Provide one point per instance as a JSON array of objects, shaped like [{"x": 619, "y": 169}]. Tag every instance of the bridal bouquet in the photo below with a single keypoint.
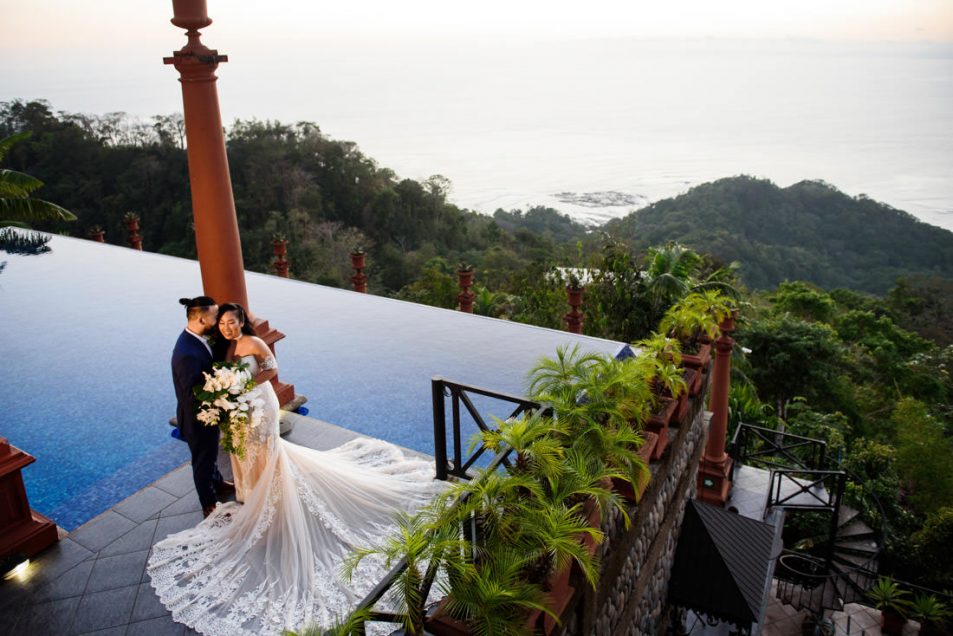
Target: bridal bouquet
[{"x": 225, "y": 401}]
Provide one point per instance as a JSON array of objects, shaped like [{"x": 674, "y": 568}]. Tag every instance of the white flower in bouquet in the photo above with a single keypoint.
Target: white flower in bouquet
[{"x": 225, "y": 401}]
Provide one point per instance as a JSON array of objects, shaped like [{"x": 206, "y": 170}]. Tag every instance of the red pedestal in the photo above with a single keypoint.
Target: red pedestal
[
  {"x": 359, "y": 279},
  {"x": 574, "y": 318},
  {"x": 280, "y": 265},
  {"x": 21, "y": 529},
  {"x": 715, "y": 466},
  {"x": 465, "y": 297}
]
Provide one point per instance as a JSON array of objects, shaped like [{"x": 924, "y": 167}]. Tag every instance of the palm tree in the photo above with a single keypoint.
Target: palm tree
[{"x": 16, "y": 206}]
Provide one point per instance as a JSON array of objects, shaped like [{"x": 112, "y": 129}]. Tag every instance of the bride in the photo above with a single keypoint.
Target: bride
[{"x": 272, "y": 562}]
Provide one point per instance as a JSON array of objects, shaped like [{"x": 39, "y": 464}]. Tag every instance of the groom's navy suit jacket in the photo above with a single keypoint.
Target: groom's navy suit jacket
[{"x": 189, "y": 359}]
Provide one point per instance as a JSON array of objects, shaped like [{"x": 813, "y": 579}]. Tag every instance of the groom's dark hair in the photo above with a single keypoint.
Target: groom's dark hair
[{"x": 197, "y": 306}]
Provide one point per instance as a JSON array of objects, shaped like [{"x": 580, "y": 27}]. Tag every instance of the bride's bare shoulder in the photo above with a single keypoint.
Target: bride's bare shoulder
[{"x": 260, "y": 348}]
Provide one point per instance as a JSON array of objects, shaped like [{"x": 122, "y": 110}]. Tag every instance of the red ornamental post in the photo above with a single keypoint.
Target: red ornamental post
[
  {"x": 22, "y": 531},
  {"x": 359, "y": 279},
  {"x": 714, "y": 485},
  {"x": 217, "y": 239},
  {"x": 97, "y": 234},
  {"x": 465, "y": 297},
  {"x": 281, "y": 262},
  {"x": 132, "y": 228},
  {"x": 213, "y": 205},
  {"x": 574, "y": 319}
]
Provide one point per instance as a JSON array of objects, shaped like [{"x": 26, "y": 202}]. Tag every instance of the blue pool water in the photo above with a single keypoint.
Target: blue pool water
[{"x": 88, "y": 331}]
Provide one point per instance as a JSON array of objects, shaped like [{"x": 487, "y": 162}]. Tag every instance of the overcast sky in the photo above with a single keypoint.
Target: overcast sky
[{"x": 45, "y": 27}]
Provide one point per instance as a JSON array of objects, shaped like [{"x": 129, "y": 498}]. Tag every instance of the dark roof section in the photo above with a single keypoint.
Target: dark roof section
[{"x": 721, "y": 564}]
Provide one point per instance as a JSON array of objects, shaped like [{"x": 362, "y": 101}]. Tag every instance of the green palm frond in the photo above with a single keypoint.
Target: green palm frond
[
  {"x": 32, "y": 210},
  {"x": 494, "y": 598},
  {"x": 17, "y": 184},
  {"x": 551, "y": 533},
  {"x": 15, "y": 188},
  {"x": 556, "y": 375},
  {"x": 7, "y": 142}
]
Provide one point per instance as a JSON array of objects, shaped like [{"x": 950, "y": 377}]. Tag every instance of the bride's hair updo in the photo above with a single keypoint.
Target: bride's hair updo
[
  {"x": 197, "y": 306},
  {"x": 247, "y": 329}
]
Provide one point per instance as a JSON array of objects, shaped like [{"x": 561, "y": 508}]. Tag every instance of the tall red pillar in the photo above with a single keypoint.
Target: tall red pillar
[
  {"x": 715, "y": 467},
  {"x": 213, "y": 205}
]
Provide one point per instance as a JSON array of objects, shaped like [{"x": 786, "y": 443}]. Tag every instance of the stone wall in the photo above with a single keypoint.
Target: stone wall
[{"x": 637, "y": 562}]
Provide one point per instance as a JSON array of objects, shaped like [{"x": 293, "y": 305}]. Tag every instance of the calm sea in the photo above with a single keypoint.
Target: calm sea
[{"x": 513, "y": 123}]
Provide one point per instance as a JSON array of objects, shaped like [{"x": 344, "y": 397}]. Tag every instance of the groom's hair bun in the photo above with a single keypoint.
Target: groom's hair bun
[{"x": 197, "y": 303}]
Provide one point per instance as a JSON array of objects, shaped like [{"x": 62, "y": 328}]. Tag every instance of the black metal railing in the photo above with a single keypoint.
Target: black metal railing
[
  {"x": 755, "y": 445},
  {"x": 797, "y": 489},
  {"x": 460, "y": 394},
  {"x": 376, "y": 594}
]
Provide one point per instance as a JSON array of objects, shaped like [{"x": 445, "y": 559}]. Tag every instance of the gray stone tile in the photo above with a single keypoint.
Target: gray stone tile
[
  {"x": 70, "y": 583},
  {"x": 177, "y": 523},
  {"x": 111, "y": 608},
  {"x": 139, "y": 538},
  {"x": 117, "y": 571},
  {"x": 163, "y": 626},
  {"x": 101, "y": 531},
  {"x": 57, "y": 559},
  {"x": 147, "y": 604},
  {"x": 179, "y": 482},
  {"x": 187, "y": 503},
  {"x": 16, "y": 614},
  {"x": 109, "y": 631},
  {"x": 145, "y": 504},
  {"x": 54, "y": 617}
]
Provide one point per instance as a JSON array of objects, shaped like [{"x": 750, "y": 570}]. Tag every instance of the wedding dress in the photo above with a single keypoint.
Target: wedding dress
[{"x": 273, "y": 563}]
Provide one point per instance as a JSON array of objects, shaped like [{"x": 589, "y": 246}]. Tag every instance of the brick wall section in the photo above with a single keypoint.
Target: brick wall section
[{"x": 637, "y": 562}]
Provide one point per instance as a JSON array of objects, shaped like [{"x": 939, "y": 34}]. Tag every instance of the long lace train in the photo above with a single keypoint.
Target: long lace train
[{"x": 274, "y": 562}]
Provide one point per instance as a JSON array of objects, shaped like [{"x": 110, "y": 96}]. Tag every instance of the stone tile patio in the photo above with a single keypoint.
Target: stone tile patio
[{"x": 94, "y": 581}]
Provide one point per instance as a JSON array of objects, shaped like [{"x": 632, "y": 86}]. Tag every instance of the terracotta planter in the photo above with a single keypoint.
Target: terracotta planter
[
  {"x": 558, "y": 595},
  {"x": 892, "y": 622},
  {"x": 624, "y": 488},
  {"x": 440, "y": 624},
  {"x": 698, "y": 360},
  {"x": 594, "y": 516},
  {"x": 682, "y": 411},
  {"x": 465, "y": 277},
  {"x": 658, "y": 423},
  {"x": 693, "y": 381},
  {"x": 357, "y": 260}
]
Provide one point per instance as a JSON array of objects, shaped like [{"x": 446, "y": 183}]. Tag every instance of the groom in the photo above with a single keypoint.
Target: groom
[{"x": 192, "y": 356}]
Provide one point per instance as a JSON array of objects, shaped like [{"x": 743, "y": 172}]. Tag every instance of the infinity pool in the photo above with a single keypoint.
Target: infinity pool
[{"x": 88, "y": 335}]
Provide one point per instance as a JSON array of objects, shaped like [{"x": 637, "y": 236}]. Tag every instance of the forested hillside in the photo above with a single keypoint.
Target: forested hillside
[{"x": 808, "y": 231}]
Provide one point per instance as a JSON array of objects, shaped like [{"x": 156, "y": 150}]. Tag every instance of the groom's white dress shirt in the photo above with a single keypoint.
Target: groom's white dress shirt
[{"x": 202, "y": 339}]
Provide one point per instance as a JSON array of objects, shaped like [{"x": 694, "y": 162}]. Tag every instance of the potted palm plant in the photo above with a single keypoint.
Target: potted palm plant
[
  {"x": 696, "y": 315},
  {"x": 892, "y": 601},
  {"x": 930, "y": 612}
]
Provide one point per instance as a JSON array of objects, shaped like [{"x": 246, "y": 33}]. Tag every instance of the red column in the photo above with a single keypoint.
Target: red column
[
  {"x": 574, "y": 319},
  {"x": 713, "y": 483},
  {"x": 213, "y": 205},
  {"x": 465, "y": 297},
  {"x": 97, "y": 234},
  {"x": 359, "y": 280}
]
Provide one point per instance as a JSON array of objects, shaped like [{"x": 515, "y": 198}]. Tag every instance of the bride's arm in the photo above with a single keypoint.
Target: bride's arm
[{"x": 267, "y": 366}]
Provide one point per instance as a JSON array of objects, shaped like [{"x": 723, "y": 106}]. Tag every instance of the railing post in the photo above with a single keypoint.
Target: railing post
[
  {"x": 439, "y": 429},
  {"x": 835, "y": 517},
  {"x": 457, "y": 448}
]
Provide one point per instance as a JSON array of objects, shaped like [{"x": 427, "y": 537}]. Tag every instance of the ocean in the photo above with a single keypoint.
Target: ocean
[{"x": 593, "y": 127}]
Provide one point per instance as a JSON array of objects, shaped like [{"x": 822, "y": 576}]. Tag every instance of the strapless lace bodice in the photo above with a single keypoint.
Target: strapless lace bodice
[{"x": 254, "y": 367}]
